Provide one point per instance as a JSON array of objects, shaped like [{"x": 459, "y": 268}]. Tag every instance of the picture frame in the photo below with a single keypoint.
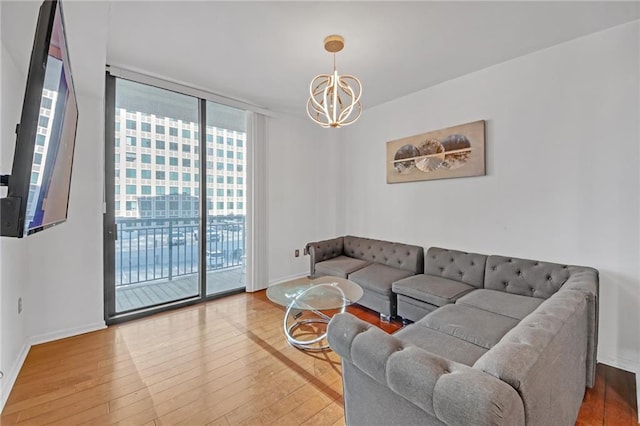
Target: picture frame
[{"x": 457, "y": 151}]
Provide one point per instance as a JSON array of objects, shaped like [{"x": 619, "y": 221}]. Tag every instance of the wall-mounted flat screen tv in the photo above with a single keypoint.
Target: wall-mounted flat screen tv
[{"x": 39, "y": 183}]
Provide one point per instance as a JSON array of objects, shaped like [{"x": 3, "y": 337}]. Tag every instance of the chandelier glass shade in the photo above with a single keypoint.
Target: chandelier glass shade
[{"x": 334, "y": 99}]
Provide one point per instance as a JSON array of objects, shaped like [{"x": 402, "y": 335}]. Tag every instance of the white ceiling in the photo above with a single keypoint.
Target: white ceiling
[
  {"x": 267, "y": 52},
  {"x": 86, "y": 29}
]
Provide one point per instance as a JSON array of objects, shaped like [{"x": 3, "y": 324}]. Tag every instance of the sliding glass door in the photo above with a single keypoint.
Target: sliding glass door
[
  {"x": 175, "y": 199},
  {"x": 225, "y": 197}
]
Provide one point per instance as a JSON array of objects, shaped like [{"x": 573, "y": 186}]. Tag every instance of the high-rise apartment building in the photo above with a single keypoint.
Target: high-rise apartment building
[
  {"x": 45, "y": 121},
  {"x": 157, "y": 168}
]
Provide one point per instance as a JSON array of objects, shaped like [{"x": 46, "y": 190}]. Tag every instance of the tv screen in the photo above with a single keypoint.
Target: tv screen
[{"x": 41, "y": 176}]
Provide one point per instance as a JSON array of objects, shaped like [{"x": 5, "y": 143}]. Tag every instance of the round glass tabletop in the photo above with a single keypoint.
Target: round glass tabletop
[{"x": 325, "y": 296}]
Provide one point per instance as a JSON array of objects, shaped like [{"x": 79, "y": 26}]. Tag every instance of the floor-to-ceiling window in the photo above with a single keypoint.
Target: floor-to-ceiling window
[
  {"x": 226, "y": 180},
  {"x": 176, "y": 185}
]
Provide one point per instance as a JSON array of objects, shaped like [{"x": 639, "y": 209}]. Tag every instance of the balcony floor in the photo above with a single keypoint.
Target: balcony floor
[{"x": 135, "y": 296}]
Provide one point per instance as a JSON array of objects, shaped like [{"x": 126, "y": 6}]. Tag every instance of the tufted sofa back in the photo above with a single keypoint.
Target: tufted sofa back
[
  {"x": 327, "y": 249},
  {"x": 401, "y": 256},
  {"x": 525, "y": 277},
  {"x": 456, "y": 265}
]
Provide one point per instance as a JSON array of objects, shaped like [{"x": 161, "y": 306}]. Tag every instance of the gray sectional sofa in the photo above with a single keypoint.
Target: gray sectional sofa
[
  {"x": 496, "y": 341},
  {"x": 374, "y": 264}
]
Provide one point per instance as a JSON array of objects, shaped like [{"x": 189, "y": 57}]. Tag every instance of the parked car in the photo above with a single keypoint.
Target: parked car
[
  {"x": 215, "y": 259},
  {"x": 212, "y": 235},
  {"x": 177, "y": 238}
]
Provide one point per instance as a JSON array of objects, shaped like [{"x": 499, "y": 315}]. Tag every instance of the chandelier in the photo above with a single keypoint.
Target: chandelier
[{"x": 335, "y": 99}]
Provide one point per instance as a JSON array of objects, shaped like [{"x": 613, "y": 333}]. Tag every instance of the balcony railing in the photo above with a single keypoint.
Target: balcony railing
[{"x": 155, "y": 249}]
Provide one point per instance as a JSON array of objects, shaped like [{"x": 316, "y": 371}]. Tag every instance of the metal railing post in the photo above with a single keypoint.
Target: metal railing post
[{"x": 170, "y": 250}]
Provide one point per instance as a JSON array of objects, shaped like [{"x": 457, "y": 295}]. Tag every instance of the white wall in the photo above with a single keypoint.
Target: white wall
[
  {"x": 303, "y": 173},
  {"x": 562, "y": 178},
  {"x": 66, "y": 289},
  {"x": 67, "y": 286},
  {"x": 14, "y": 260}
]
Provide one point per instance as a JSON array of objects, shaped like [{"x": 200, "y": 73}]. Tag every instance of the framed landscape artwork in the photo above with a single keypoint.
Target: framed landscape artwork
[{"x": 456, "y": 151}]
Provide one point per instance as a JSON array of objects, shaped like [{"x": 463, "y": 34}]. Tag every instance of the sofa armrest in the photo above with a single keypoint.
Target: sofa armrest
[
  {"x": 454, "y": 393},
  {"x": 586, "y": 281},
  {"x": 320, "y": 251}
]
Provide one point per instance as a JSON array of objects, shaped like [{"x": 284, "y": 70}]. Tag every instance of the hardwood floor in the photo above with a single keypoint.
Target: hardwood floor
[
  {"x": 612, "y": 401},
  {"x": 221, "y": 363}
]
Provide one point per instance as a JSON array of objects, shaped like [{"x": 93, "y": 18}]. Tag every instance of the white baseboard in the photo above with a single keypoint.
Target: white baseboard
[
  {"x": 287, "y": 278},
  {"x": 10, "y": 378},
  {"x": 68, "y": 332},
  {"x": 621, "y": 363}
]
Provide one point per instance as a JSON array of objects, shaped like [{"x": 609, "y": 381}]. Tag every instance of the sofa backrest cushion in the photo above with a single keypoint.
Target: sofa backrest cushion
[
  {"x": 402, "y": 256},
  {"x": 525, "y": 277},
  {"x": 456, "y": 265}
]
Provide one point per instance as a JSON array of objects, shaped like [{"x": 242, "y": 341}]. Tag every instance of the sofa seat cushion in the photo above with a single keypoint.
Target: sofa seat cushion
[
  {"x": 510, "y": 305},
  {"x": 431, "y": 289},
  {"x": 378, "y": 278},
  {"x": 474, "y": 325},
  {"x": 340, "y": 266},
  {"x": 445, "y": 345}
]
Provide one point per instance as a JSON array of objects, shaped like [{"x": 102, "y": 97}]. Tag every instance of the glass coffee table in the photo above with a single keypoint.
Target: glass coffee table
[{"x": 314, "y": 296}]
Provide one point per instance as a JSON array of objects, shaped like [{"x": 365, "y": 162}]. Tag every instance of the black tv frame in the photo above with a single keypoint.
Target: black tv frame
[{"x": 13, "y": 207}]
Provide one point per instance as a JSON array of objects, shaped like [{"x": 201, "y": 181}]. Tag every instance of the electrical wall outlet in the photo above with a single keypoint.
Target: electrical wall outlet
[
  {"x": 19, "y": 305},
  {"x": 306, "y": 251},
  {"x": 297, "y": 253}
]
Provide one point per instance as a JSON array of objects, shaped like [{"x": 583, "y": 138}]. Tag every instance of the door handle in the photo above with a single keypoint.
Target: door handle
[{"x": 113, "y": 231}]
